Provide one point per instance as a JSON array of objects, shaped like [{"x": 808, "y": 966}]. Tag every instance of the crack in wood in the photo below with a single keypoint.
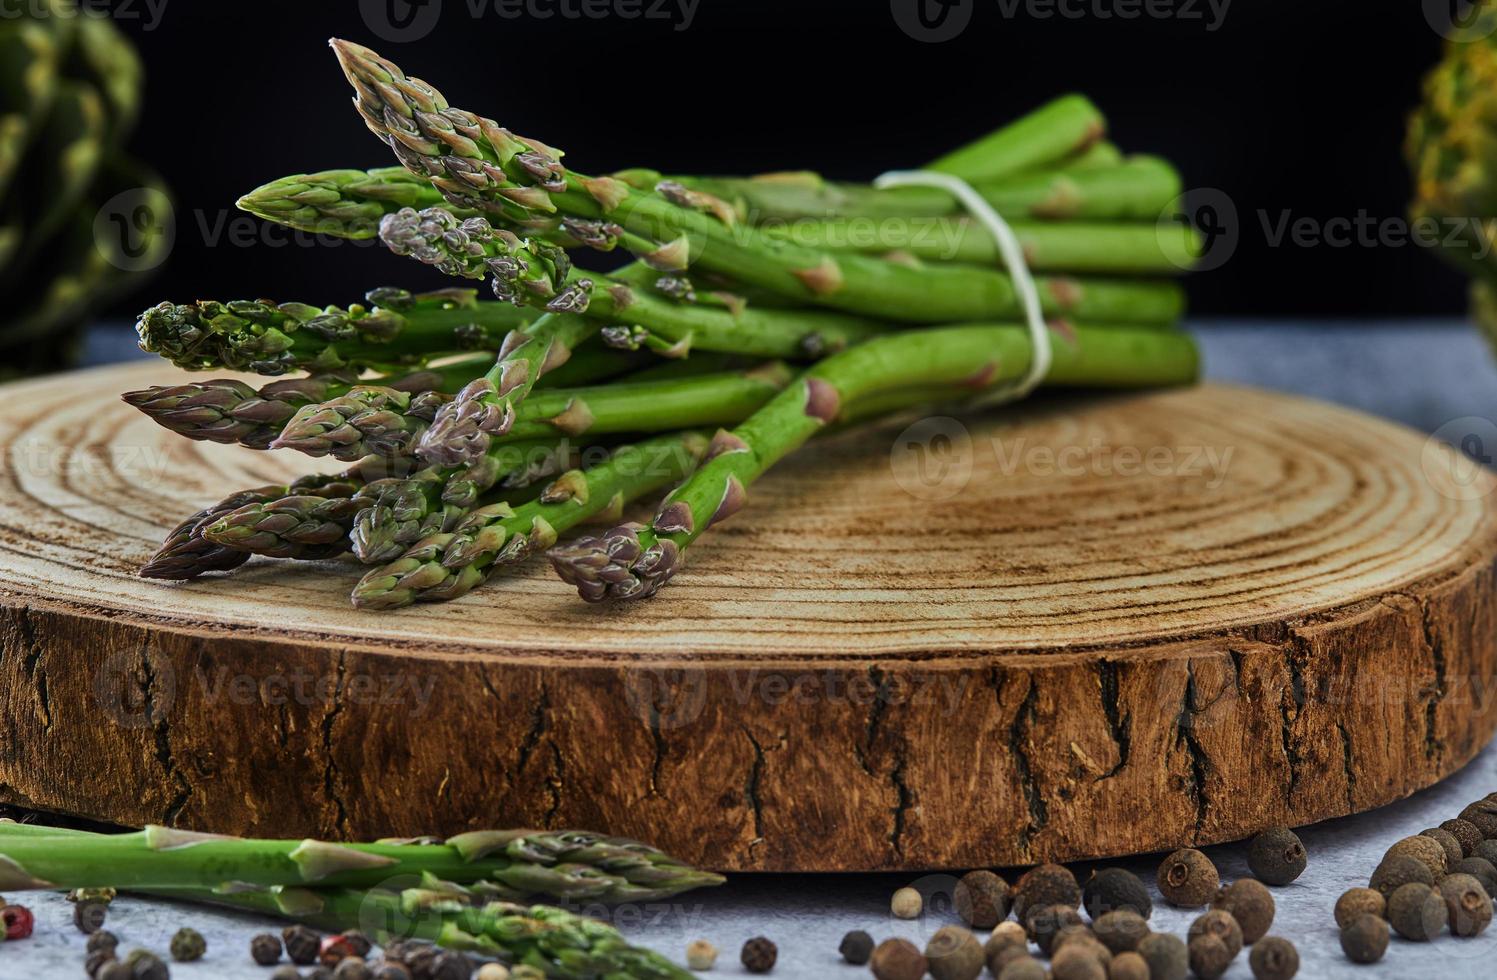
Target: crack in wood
[
  {"x": 1347, "y": 768},
  {"x": 330, "y": 765},
  {"x": 1185, "y": 736},
  {"x": 1018, "y": 734},
  {"x": 1290, "y": 709},
  {"x": 554, "y": 784},
  {"x": 31, "y": 666},
  {"x": 533, "y": 735},
  {"x": 657, "y": 738},
  {"x": 751, "y": 790},
  {"x": 1434, "y": 746},
  {"x": 161, "y": 732},
  {"x": 1119, "y": 726}
]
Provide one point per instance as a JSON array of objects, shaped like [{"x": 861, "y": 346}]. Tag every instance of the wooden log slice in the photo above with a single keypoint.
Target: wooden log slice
[{"x": 1082, "y": 627}]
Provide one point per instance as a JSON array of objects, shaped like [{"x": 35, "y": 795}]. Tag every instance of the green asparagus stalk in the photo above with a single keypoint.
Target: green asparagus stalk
[
  {"x": 566, "y": 864},
  {"x": 634, "y": 561},
  {"x": 398, "y": 328},
  {"x": 446, "y": 566},
  {"x": 28, "y": 81},
  {"x": 302, "y": 526},
  {"x": 341, "y": 203},
  {"x": 111, "y": 63},
  {"x": 62, "y": 163},
  {"x": 1062, "y": 128},
  {"x": 477, "y": 164}
]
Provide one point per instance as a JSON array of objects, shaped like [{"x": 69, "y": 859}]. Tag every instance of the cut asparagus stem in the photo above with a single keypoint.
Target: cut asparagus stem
[
  {"x": 446, "y": 566},
  {"x": 399, "y": 328},
  {"x": 634, "y": 561},
  {"x": 1061, "y": 128},
  {"x": 476, "y": 163},
  {"x": 1094, "y": 247}
]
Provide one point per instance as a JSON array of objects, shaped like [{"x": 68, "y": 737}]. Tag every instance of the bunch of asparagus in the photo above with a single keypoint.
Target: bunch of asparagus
[
  {"x": 463, "y": 893},
  {"x": 70, "y": 86},
  {"x": 756, "y": 314}
]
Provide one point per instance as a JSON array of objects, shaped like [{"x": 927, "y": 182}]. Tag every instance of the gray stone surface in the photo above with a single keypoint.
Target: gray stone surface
[{"x": 1423, "y": 374}]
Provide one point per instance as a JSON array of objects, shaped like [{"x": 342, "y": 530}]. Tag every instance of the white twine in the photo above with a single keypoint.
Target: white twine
[{"x": 1013, "y": 257}]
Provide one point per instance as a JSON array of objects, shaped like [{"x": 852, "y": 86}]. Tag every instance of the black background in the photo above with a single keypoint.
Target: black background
[{"x": 1289, "y": 106}]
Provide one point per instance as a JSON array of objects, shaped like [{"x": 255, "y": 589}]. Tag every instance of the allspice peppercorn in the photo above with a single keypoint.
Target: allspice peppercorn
[
  {"x": 390, "y": 970},
  {"x": 856, "y": 947},
  {"x": 1219, "y": 924},
  {"x": 1209, "y": 956},
  {"x": 265, "y": 949},
  {"x": 1486, "y": 850},
  {"x": 1112, "y": 889},
  {"x": 1274, "y": 958},
  {"x": 1250, "y": 903},
  {"x": 115, "y": 970},
  {"x": 1417, "y": 912},
  {"x": 145, "y": 965},
  {"x": 759, "y": 955},
  {"x": 1045, "y": 922},
  {"x": 897, "y": 959},
  {"x": 906, "y": 904},
  {"x": 285, "y": 973},
  {"x": 1047, "y": 884},
  {"x": 1422, "y": 849},
  {"x": 1365, "y": 939},
  {"x": 1468, "y": 905},
  {"x": 1004, "y": 955},
  {"x": 981, "y": 899},
  {"x": 302, "y": 944},
  {"x": 450, "y": 964},
  {"x": 188, "y": 946},
  {"x": 953, "y": 953},
  {"x": 492, "y": 971},
  {"x": 1008, "y": 942},
  {"x": 1024, "y": 968},
  {"x": 1483, "y": 816},
  {"x": 96, "y": 961},
  {"x": 103, "y": 939},
  {"x": 1128, "y": 966},
  {"x": 1479, "y": 868},
  {"x": 1453, "y": 849},
  {"x": 1166, "y": 955},
  {"x": 1399, "y": 870},
  {"x": 89, "y": 915},
  {"x": 1188, "y": 879},
  {"x": 1464, "y": 831},
  {"x": 351, "y": 968},
  {"x": 1075, "y": 962},
  {"x": 1121, "y": 930},
  {"x": 1276, "y": 857},
  {"x": 1358, "y": 902}
]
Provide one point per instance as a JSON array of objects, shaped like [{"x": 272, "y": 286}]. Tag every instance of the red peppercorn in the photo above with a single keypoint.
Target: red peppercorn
[
  {"x": 18, "y": 921},
  {"x": 335, "y": 949}
]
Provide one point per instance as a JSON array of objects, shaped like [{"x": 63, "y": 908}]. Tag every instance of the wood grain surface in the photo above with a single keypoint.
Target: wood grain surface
[{"x": 1083, "y": 627}]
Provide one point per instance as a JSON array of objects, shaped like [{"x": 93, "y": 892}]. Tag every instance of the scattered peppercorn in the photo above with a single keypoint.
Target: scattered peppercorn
[
  {"x": 1479, "y": 868},
  {"x": 449, "y": 964},
  {"x": 1276, "y": 857},
  {"x": 358, "y": 942},
  {"x": 1453, "y": 849},
  {"x": 1209, "y": 956},
  {"x": 1486, "y": 850},
  {"x": 953, "y": 953},
  {"x": 1023, "y": 968},
  {"x": 18, "y": 922},
  {"x": 1466, "y": 832},
  {"x": 981, "y": 899},
  {"x": 265, "y": 949},
  {"x": 1128, "y": 966},
  {"x": 1250, "y": 903},
  {"x": 1166, "y": 955},
  {"x": 145, "y": 965},
  {"x": 89, "y": 916},
  {"x": 1045, "y": 922},
  {"x": 1365, "y": 939},
  {"x": 527, "y": 972},
  {"x": 1421, "y": 849},
  {"x": 391, "y": 970},
  {"x": 333, "y": 950},
  {"x": 1003, "y": 956},
  {"x": 906, "y": 904},
  {"x": 1468, "y": 905},
  {"x": 103, "y": 939},
  {"x": 1483, "y": 816},
  {"x": 758, "y": 955},
  {"x": 351, "y": 968},
  {"x": 492, "y": 971},
  {"x": 702, "y": 955},
  {"x": 1416, "y": 911},
  {"x": 1075, "y": 962},
  {"x": 188, "y": 946},
  {"x": 1121, "y": 930},
  {"x": 115, "y": 970},
  {"x": 1358, "y": 902},
  {"x": 96, "y": 960},
  {"x": 1112, "y": 889},
  {"x": 1274, "y": 958},
  {"x": 1398, "y": 870},
  {"x": 1047, "y": 884},
  {"x": 1220, "y": 924},
  {"x": 856, "y": 947},
  {"x": 1188, "y": 879},
  {"x": 286, "y": 973},
  {"x": 1007, "y": 943},
  {"x": 420, "y": 959},
  {"x": 897, "y": 959},
  {"x": 302, "y": 944}
]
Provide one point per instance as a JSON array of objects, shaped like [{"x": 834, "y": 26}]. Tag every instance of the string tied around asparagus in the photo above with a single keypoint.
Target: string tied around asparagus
[{"x": 1013, "y": 257}]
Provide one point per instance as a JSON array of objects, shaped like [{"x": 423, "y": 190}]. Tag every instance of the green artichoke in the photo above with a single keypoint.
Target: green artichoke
[{"x": 80, "y": 223}]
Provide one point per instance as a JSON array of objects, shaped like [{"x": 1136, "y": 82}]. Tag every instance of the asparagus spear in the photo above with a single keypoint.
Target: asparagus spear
[
  {"x": 634, "y": 561},
  {"x": 28, "y": 80},
  {"x": 341, "y": 203},
  {"x": 446, "y": 566},
  {"x": 476, "y": 163},
  {"x": 1059, "y": 129},
  {"x": 397, "y": 328},
  {"x": 308, "y": 527}
]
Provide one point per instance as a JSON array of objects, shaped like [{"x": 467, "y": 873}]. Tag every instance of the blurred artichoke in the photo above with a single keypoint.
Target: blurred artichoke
[{"x": 80, "y": 223}]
